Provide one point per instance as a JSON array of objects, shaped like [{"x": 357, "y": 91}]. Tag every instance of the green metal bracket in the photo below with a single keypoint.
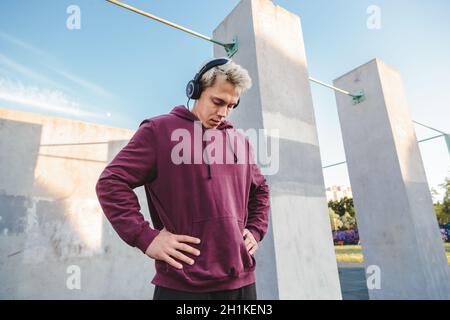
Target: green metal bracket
[
  {"x": 232, "y": 48},
  {"x": 358, "y": 96}
]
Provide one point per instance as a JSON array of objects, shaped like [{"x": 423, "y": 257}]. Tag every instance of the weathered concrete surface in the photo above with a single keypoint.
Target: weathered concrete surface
[
  {"x": 50, "y": 218},
  {"x": 296, "y": 259},
  {"x": 397, "y": 224}
]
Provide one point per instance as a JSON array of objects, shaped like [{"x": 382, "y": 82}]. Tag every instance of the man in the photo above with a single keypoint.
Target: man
[{"x": 208, "y": 216}]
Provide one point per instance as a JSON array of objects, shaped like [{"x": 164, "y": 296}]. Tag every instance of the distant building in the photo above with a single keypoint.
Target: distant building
[{"x": 336, "y": 193}]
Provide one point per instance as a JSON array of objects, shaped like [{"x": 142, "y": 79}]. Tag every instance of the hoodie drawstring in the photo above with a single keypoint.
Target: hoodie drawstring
[
  {"x": 229, "y": 144},
  {"x": 206, "y": 153}
]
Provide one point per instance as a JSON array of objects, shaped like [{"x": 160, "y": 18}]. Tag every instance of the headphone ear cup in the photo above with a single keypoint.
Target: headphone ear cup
[
  {"x": 193, "y": 90},
  {"x": 190, "y": 88}
]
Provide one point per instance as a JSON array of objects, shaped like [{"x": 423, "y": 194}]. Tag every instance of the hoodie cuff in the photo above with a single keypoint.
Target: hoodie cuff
[
  {"x": 145, "y": 238},
  {"x": 255, "y": 233}
]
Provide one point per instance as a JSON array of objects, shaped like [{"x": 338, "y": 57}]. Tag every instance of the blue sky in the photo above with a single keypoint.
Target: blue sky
[{"x": 121, "y": 68}]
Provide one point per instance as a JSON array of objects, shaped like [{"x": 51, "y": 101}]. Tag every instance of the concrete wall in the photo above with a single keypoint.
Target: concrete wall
[
  {"x": 396, "y": 220},
  {"x": 296, "y": 259},
  {"x": 50, "y": 218}
]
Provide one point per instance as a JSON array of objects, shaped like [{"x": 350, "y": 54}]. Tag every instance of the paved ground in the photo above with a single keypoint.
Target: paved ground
[{"x": 353, "y": 281}]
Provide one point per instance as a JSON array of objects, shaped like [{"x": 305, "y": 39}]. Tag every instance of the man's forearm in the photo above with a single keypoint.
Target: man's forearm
[
  {"x": 121, "y": 207},
  {"x": 258, "y": 211}
]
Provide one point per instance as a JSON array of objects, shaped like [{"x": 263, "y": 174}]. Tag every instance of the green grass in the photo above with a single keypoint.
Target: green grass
[{"x": 354, "y": 253}]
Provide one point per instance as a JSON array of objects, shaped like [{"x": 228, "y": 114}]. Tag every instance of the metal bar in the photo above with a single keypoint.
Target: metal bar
[
  {"x": 333, "y": 165},
  {"x": 428, "y": 127},
  {"x": 72, "y": 144},
  {"x": 357, "y": 96},
  {"x": 431, "y": 138},
  {"x": 330, "y": 86},
  {"x": 151, "y": 16},
  {"x": 70, "y": 158},
  {"x": 435, "y": 137}
]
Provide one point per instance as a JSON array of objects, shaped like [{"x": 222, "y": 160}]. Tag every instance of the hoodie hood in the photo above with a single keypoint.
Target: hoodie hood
[{"x": 183, "y": 112}]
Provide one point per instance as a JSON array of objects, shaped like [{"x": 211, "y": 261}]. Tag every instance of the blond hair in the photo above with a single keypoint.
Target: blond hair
[{"x": 233, "y": 73}]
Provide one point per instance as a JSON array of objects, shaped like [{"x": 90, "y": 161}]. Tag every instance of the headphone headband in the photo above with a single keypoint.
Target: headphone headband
[
  {"x": 211, "y": 64},
  {"x": 194, "y": 88}
]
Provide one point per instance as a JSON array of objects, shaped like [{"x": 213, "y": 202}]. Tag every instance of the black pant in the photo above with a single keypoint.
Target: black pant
[{"x": 245, "y": 293}]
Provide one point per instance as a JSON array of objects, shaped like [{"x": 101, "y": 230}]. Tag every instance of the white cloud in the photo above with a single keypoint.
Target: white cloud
[
  {"x": 44, "y": 99},
  {"x": 94, "y": 88},
  {"x": 22, "y": 44},
  {"x": 27, "y": 72}
]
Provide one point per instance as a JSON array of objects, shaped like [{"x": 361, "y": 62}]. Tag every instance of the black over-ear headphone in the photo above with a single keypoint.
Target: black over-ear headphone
[{"x": 194, "y": 88}]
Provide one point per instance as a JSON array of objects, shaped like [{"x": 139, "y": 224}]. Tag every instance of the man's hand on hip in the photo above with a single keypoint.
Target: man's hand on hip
[
  {"x": 250, "y": 242},
  {"x": 166, "y": 246}
]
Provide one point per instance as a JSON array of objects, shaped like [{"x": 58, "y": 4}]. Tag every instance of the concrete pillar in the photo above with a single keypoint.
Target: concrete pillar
[
  {"x": 397, "y": 224},
  {"x": 296, "y": 259}
]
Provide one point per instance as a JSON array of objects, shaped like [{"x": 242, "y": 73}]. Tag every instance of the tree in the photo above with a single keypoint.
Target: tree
[
  {"x": 348, "y": 222},
  {"x": 337, "y": 206},
  {"x": 349, "y": 206},
  {"x": 443, "y": 209},
  {"x": 343, "y": 208},
  {"x": 336, "y": 223},
  {"x": 434, "y": 194}
]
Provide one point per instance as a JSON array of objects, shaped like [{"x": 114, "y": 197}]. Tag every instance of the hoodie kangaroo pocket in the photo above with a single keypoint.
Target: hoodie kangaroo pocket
[{"x": 222, "y": 250}]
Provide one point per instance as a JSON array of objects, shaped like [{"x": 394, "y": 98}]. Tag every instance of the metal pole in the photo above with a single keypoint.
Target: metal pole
[
  {"x": 231, "y": 48},
  {"x": 333, "y": 165},
  {"x": 330, "y": 86},
  {"x": 357, "y": 96},
  {"x": 420, "y": 124},
  {"x": 424, "y": 140},
  {"x": 435, "y": 137}
]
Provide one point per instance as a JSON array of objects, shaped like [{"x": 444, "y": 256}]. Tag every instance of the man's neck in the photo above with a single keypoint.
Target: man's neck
[{"x": 194, "y": 111}]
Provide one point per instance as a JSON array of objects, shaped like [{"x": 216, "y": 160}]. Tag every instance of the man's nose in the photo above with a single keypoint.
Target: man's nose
[{"x": 222, "y": 112}]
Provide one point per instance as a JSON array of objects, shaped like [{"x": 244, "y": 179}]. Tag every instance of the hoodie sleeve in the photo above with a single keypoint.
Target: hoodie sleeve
[
  {"x": 132, "y": 167},
  {"x": 258, "y": 203}
]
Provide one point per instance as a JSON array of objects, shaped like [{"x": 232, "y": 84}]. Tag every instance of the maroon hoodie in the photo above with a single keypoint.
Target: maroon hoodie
[{"x": 211, "y": 201}]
